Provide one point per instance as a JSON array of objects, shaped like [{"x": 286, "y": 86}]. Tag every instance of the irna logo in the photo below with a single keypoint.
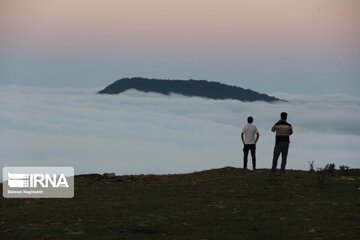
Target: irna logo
[
  {"x": 38, "y": 182},
  {"x": 16, "y": 180}
]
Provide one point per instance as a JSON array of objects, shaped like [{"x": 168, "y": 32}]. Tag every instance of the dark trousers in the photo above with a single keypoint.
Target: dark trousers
[
  {"x": 280, "y": 148},
  {"x": 252, "y": 148}
]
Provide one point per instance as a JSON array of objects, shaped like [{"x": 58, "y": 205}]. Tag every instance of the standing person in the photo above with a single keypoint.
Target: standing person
[
  {"x": 283, "y": 130},
  {"x": 249, "y": 136}
]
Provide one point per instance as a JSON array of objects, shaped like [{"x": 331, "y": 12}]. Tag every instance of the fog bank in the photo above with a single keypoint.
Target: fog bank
[{"x": 135, "y": 132}]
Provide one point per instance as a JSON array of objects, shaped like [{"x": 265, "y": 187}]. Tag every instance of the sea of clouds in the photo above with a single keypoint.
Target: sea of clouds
[{"x": 136, "y": 132}]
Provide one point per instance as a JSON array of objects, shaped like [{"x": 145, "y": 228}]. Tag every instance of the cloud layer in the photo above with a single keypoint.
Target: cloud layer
[{"x": 136, "y": 133}]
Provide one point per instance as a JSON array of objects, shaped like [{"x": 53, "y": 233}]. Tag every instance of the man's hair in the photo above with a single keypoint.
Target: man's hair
[
  {"x": 250, "y": 119},
  {"x": 283, "y": 116}
]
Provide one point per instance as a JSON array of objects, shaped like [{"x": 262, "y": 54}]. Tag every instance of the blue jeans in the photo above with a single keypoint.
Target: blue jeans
[{"x": 280, "y": 148}]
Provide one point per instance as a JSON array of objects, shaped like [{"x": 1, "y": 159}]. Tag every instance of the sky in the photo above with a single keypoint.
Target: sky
[
  {"x": 293, "y": 46},
  {"x": 139, "y": 133}
]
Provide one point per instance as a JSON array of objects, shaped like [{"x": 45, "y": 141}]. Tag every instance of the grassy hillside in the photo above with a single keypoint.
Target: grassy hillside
[{"x": 215, "y": 204}]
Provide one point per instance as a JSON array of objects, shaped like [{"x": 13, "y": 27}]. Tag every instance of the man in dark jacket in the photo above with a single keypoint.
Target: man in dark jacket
[{"x": 283, "y": 130}]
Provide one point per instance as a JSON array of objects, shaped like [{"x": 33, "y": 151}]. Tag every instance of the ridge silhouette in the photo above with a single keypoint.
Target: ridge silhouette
[{"x": 190, "y": 88}]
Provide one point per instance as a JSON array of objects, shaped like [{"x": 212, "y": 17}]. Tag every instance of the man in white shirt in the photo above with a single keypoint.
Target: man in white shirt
[{"x": 249, "y": 136}]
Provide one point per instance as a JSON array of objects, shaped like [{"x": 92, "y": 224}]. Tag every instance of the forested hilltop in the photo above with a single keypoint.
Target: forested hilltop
[{"x": 191, "y": 88}]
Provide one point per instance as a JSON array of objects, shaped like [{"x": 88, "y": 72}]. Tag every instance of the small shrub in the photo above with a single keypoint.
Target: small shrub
[
  {"x": 311, "y": 166},
  {"x": 344, "y": 170},
  {"x": 331, "y": 169},
  {"x": 324, "y": 175}
]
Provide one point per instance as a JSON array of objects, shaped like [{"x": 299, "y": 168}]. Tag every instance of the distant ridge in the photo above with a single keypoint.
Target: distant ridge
[{"x": 191, "y": 88}]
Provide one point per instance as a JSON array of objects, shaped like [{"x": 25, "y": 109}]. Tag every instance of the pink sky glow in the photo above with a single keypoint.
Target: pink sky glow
[{"x": 229, "y": 25}]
